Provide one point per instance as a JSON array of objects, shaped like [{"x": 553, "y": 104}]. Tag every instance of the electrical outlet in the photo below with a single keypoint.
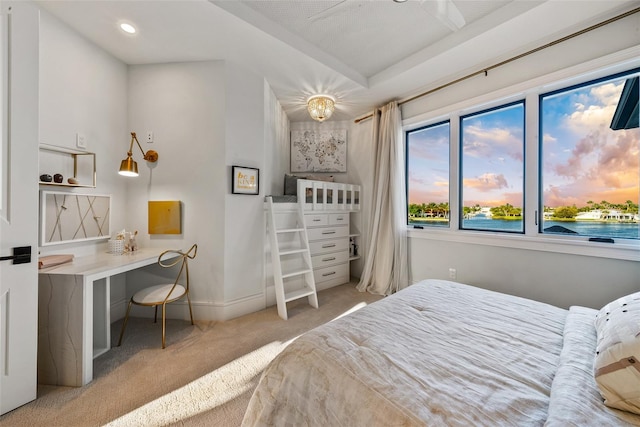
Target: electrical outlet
[
  {"x": 149, "y": 137},
  {"x": 81, "y": 140},
  {"x": 452, "y": 273}
]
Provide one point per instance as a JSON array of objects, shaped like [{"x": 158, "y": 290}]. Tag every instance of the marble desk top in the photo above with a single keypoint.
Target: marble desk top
[{"x": 106, "y": 264}]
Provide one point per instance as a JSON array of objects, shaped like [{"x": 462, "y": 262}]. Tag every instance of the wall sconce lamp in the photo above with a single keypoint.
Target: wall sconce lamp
[{"x": 129, "y": 167}]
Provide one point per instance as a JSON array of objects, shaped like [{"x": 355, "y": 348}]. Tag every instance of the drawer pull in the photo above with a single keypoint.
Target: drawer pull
[
  {"x": 317, "y": 220},
  {"x": 328, "y": 274},
  {"x": 329, "y": 259},
  {"x": 340, "y": 219},
  {"x": 329, "y": 232},
  {"x": 331, "y": 245}
]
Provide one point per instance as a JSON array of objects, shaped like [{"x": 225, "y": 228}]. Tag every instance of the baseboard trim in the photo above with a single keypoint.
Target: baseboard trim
[{"x": 202, "y": 310}]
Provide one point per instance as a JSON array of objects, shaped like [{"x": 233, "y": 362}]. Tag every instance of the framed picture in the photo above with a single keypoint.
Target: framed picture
[
  {"x": 73, "y": 217},
  {"x": 319, "y": 150},
  {"x": 245, "y": 180}
]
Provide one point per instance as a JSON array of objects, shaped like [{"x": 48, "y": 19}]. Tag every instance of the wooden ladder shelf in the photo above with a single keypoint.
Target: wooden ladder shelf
[{"x": 291, "y": 258}]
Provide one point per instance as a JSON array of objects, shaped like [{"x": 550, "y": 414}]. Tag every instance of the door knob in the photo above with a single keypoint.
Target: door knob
[{"x": 21, "y": 255}]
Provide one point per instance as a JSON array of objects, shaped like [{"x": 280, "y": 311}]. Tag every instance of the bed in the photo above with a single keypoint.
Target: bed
[
  {"x": 319, "y": 193},
  {"x": 440, "y": 353}
]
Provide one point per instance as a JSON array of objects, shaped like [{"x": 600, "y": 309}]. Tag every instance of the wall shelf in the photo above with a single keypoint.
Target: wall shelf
[
  {"x": 354, "y": 247},
  {"x": 80, "y": 165}
]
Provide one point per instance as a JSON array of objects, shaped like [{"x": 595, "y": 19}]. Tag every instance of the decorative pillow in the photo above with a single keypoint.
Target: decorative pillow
[
  {"x": 617, "y": 360},
  {"x": 291, "y": 185}
]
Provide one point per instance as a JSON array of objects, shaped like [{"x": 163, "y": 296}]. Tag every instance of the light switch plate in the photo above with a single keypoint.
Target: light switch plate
[{"x": 81, "y": 140}]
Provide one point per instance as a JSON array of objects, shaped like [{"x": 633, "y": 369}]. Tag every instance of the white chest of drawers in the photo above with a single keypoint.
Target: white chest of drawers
[{"x": 328, "y": 235}]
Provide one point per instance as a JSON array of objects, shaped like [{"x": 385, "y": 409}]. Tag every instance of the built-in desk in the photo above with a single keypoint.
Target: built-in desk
[{"x": 74, "y": 315}]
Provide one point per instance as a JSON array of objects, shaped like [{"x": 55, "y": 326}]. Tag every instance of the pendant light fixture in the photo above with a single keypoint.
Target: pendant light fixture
[{"x": 321, "y": 107}]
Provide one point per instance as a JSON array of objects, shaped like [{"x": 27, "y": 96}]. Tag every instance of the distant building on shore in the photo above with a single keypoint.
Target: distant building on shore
[{"x": 607, "y": 215}]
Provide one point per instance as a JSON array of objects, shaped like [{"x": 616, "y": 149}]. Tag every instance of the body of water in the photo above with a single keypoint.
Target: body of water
[{"x": 583, "y": 228}]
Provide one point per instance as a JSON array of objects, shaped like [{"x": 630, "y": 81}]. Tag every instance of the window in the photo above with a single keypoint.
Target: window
[
  {"x": 492, "y": 165},
  {"x": 590, "y": 151},
  {"x": 580, "y": 176},
  {"x": 428, "y": 175}
]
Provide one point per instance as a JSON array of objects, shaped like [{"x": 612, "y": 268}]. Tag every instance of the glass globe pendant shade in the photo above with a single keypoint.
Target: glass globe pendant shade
[{"x": 320, "y": 107}]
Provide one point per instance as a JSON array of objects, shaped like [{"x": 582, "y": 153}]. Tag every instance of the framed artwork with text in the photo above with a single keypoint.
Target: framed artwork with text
[{"x": 245, "y": 180}]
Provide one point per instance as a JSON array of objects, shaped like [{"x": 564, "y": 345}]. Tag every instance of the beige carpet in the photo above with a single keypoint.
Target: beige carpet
[{"x": 205, "y": 376}]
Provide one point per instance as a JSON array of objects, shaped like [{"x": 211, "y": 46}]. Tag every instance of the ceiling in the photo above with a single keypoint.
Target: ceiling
[{"x": 364, "y": 53}]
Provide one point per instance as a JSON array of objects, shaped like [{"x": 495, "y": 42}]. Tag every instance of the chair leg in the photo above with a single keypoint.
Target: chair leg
[
  {"x": 190, "y": 311},
  {"x": 164, "y": 322},
  {"x": 124, "y": 324},
  {"x": 155, "y": 316}
]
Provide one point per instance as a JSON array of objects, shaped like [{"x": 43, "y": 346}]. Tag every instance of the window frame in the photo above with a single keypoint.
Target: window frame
[
  {"x": 529, "y": 90},
  {"x": 566, "y": 89},
  {"x": 524, "y": 164},
  {"x": 406, "y": 168}
]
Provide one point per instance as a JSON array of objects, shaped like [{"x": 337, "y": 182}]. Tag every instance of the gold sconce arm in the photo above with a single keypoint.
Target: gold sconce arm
[
  {"x": 129, "y": 167},
  {"x": 150, "y": 155}
]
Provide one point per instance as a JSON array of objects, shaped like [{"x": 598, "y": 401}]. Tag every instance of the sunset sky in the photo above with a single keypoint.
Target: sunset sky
[
  {"x": 583, "y": 159},
  {"x": 493, "y": 157}
]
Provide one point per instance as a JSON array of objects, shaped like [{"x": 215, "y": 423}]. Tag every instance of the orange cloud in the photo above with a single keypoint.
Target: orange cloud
[{"x": 487, "y": 182}]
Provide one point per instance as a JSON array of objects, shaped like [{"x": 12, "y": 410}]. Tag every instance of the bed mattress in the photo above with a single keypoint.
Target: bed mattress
[{"x": 438, "y": 353}]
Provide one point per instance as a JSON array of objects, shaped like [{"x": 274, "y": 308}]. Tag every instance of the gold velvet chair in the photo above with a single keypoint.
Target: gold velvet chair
[{"x": 153, "y": 296}]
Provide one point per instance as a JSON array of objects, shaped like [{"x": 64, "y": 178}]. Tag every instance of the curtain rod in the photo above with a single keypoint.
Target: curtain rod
[{"x": 513, "y": 58}]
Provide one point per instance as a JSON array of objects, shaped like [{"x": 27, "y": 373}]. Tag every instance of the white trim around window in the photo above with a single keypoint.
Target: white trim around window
[{"x": 532, "y": 239}]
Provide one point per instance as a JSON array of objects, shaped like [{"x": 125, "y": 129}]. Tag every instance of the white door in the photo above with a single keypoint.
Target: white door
[{"x": 18, "y": 203}]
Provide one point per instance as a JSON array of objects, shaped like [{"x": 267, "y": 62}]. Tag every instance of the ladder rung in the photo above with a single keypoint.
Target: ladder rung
[
  {"x": 289, "y": 230},
  {"x": 292, "y": 251},
  {"x": 297, "y": 273},
  {"x": 298, "y": 293}
]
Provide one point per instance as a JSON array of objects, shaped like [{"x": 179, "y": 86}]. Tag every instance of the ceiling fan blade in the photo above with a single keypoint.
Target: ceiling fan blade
[{"x": 446, "y": 11}]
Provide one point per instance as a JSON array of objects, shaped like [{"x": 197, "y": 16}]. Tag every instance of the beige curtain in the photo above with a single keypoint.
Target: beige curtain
[{"x": 386, "y": 268}]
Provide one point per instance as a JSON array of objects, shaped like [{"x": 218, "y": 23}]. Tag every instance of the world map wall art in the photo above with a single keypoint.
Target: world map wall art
[{"x": 319, "y": 150}]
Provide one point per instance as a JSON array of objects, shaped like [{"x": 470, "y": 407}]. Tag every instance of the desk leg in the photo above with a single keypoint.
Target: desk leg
[
  {"x": 73, "y": 327},
  {"x": 101, "y": 316},
  {"x": 62, "y": 331},
  {"x": 87, "y": 331}
]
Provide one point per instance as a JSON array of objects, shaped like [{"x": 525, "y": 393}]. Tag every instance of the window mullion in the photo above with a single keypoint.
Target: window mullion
[
  {"x": 532, "y": 203},
  {"x": 454, "y": 172}
]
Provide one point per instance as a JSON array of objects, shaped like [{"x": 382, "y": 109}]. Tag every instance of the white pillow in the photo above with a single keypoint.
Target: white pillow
[{"x": 617, "y": 360}]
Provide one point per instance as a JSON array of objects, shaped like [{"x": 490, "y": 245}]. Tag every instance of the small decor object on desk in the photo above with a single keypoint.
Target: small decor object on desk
[
  {"x": 72, "y": 181},
  {"x": 245, "y": 180},
  {"x": 116, "y": 246},
  {"x": 58, "y": 178},
  {"x": 133, "y": 245},
  {"x": 45, "y": 177}
]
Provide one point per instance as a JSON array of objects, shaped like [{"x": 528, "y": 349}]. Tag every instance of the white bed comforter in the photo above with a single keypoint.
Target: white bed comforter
[{"x": 438, "y": 353}]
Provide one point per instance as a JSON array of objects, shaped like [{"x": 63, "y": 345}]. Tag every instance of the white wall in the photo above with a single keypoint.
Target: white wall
[
  {"x": 611, "y": 38},
  {"x": 245, "y": 146},
  {"x": 205, "y": 117},
  {"x": 83, "y": 89},
  {"x": 183, "y": 104},
  {"x": 276, "y": 141},
  {"x": 558, "y": 278}
]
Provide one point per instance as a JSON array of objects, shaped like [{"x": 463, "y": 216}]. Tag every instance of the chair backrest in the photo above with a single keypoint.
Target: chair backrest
[{"x": 172, "y": 257}]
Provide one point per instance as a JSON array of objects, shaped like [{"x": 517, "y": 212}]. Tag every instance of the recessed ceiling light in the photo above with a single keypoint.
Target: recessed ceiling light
[{"x": 128, "y": 28}]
